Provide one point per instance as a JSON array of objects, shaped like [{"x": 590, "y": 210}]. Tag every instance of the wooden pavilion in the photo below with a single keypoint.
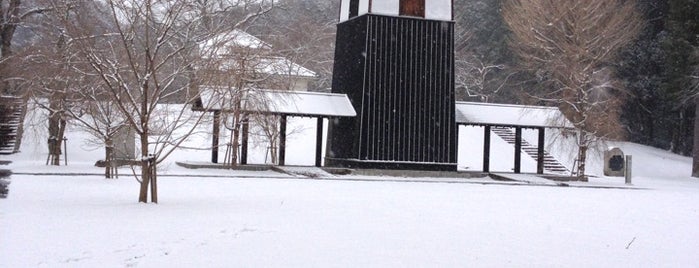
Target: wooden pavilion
[
  {"x": 489, "y": 116},
  {"x": 274, "y": 102}
]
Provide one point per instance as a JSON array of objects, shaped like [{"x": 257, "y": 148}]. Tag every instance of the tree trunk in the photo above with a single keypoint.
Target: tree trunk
[
  {"x": 695, "y": 151},
  {"x": 153, "y": 181},
  {"x": 273, "y": 149},
  {"x": 109, "y": 165},
  {"x": 145, "y": 169},
  {"x": 57, "y": 126},
  {"x": 582, "y": 157},
  {"x": 107, "y": 161},
  {"x": 235, "y": 135},
  {"x": 235, "y": 141}
]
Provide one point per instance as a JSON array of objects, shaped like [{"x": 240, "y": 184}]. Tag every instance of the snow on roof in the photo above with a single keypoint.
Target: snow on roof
[
  {"x": 269, "y": 65},
  {"x": 476, "y": 113},
  {"x": 222, "y": 46},
  {"x": 221, "y": 43},
  {"x": 283, "y": 66},
  {"x": 299, "y": 103}
]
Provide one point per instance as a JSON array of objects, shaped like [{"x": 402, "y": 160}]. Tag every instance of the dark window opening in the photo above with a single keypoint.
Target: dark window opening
[
  {"x": 353, "y": 8},
  {"x": 415, "y": 8}
]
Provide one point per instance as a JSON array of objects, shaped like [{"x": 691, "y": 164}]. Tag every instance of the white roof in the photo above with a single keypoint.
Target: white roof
[
  {"x": 222, "y": 46},
  {"x": 298, "y": 103},
  {"x": 270, "y": 65},
  {"x": 476, "y": 113},
  {"x": 283, "y": 66}
]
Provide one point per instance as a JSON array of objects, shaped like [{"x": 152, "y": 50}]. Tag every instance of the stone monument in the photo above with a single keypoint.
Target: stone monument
[{"x": 614, "y": 162}]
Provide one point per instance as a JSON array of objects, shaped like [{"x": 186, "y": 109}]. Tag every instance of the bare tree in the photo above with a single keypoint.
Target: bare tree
[
  {"x": 53, "y": 73},
  {"x": 14, "y": 14},
  {"x": 47, "y": 71},
  {"x": 572, "y": 44},
  {"x": 695, "y": 90},
  {"x": 303, "y": 31},
  {"x": 309, "y": 44},
  {"x": 148, "y": 60},
  {"x": 237, "y": 65},
  {"x": 474, "y": 76}
]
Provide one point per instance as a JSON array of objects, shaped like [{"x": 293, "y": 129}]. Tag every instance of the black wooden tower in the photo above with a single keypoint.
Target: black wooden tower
[{"x": 395, "y": 61}]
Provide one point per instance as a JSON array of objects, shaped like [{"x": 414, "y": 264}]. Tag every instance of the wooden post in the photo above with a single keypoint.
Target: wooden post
[
  {"x": 65, "y": 150},
  {"x": 153, "y": 179},
  {"x": 627, "y": 170},
  {"x": 282, "y": 140},
  {"x": 486, "y": 149},
  {"x": 540, "y": 152},
  {"x": 214, "y": 139},
  {"x": 244, "y": 141},
  {"x": 319, "y": 142},
  {"x": 518, "y": 150}
]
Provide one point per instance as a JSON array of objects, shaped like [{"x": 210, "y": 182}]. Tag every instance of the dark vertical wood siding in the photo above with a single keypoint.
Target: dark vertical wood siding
[
  {"x": 404, "y": 96},
  {"x": 348, "y": 77}
]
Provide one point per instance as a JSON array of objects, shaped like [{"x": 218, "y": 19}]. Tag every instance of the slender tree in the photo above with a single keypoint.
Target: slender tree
[
  {"x": 149, "y": 59},
  {"x": 47, "y": 70},
  {"x": 13, "y": 15},
  {"x": 572, "y": 44}
]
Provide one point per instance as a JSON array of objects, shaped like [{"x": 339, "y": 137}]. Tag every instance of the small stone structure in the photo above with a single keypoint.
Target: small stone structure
[{"x": 614, "y": 162}]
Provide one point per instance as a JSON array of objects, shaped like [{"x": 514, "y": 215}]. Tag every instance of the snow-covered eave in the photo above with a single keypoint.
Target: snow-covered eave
[
  {"x": 510, "y": 115},
  {"x": 279, "y": 102},
  {"x": 512, "y": 125}
]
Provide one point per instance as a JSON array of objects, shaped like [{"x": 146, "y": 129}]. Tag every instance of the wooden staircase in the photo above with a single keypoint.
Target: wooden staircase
[
  {"x": 10, "y": 117},
  {"x": 550, "y": 163}
]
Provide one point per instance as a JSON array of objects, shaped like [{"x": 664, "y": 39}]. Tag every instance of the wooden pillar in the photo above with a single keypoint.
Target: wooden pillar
[
  {"x": 540, "y": 152},
  {"x": 486, "y": 149},
  {"x": 282, "y": 139},
  {"x": 244, "y": 141},
  {"x": 319, "y": 142},
  {"x": 518, "y": 150},
  {"x": 214, "y": 140}
]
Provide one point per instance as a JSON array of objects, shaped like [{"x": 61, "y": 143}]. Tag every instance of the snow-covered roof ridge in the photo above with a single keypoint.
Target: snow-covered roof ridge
[
  {"x": 234, "y": 38},
  {"x": 498, "y": 114},
  {"x": 507, "y": 105},
  {"x": 222, "y": 46}
]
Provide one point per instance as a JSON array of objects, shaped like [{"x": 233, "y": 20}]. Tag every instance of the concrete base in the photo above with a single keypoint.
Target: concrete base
[
  {"x": 418, "y": 173},
  {"x": 365, "y": 164},
  {"x": 191, "y": 165},
  {"x": 532, "y": 177}
]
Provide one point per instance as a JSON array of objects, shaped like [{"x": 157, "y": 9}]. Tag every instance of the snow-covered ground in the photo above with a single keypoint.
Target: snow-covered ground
[{"x": 221, "y": 218}]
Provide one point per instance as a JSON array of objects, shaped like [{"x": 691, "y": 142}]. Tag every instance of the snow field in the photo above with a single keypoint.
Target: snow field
[
  {"x": 267, "y": 219},
  {"x": 218, "y": 222}
]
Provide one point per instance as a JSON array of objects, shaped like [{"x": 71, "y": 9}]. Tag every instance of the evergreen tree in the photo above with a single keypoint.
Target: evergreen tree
[
  {"x": 682, "y": 26},
  {"x": 641, "y": 69}
]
